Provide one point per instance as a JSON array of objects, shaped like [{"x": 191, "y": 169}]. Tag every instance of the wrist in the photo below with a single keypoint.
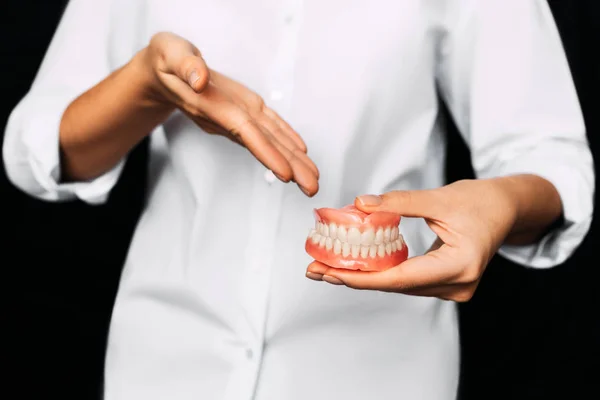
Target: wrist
[
  {"x": 507, "y": 194},
  {"x": 535, "y": 206}
]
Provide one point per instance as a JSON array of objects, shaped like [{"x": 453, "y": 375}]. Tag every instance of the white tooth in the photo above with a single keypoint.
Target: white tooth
[
  {"x": 319, "y": 227},
  {"x": 381, "y": 250},
  {"x": 345, "y": 249},
  {"x": 373, "y": 251},
  {"x": 333, "y": 230},
  {"x": 394, "y": 246},
  {"x": 355, "y": 250},
  {"x": 399, "y": 244},
  {"x": 364, "y": 251},
  {"x": 367, "y": 237},
  {"x": 328, "y": 243},
  {"x": 394, "y": 233},
  {"x": 311, "y": 233},
  {"x": 316, "y": 238},
  {"x": 387, "y": 234},
  {"x": 337, "y": 247},
  {"x": 388, "y": 248},
  {"x": 342, "y": 233},
  {"x": 325, "y": 230},
  {"x": 379, "y": 236},
  {"x": 353, "y": 236},
  {"x": 322, "y": 241}
]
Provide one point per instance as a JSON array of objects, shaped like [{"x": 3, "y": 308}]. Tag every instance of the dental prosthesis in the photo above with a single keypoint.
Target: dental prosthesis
[{"x": 351, "y": 239}]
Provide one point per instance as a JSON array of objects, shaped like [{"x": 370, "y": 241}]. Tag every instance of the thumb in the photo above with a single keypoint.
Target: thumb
[
  {"x": 194, "y": 71},
  {"x": 407, "y": 203},
  {"x": 181, "y": 58}
]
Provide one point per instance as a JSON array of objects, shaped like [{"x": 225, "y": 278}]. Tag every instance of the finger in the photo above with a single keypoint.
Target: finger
[
  {"x": 287, "y": 141},
  {"x": 452, "y": 292},
  {"x": 415, "y": 273},
  {"x": 408, "y": 203},
  {"x": 302, "y": 156},
  {"x": 218, "y": 108},
  {"x": 263, "y": 149},
  {"x": 303, "y": 174},
  {"x": 185, "y": 61},
  {"x": 215, "y": 106},
  {"x": 211, "y": 127},
  {"x": 286, "y": 128},
  {"x": 275, "y": 131},
  {"x": 459, "y": 293}
]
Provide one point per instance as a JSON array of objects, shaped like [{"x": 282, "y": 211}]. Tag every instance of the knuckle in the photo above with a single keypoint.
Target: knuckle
[
  {"x": 462, "y": 296},
  {"x": 257, "y": 103},
  {"x": 188, "y": 62},
  {"x": 469, "y": 275},
  {"x": 158, "y": 37}
]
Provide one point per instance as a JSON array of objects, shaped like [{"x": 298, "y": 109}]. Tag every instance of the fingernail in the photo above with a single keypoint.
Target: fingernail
[
  {"x": 306, "y": 192},
  {"x": 280, "y": 177},
  {"x": 314, "y": 276},
  {"x": 370, "y": 200},
  {"x": 193, "y": 78},
  {"x": 332, "y": 280}
]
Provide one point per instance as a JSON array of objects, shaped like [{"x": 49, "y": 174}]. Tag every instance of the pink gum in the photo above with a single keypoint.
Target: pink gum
[{"x": 350, "y": 216}]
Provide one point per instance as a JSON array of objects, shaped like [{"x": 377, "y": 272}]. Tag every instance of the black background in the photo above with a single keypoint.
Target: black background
[{"x": 526, "y": 334}]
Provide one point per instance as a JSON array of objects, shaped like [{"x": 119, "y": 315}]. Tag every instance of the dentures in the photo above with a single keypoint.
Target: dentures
[{"x": 349, "y": 238}]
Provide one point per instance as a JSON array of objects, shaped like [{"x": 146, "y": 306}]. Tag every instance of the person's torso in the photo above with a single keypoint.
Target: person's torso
[{"x": 213, "y": 302}]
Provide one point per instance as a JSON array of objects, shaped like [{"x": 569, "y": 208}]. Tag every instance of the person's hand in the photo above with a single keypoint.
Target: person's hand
[
  {"x": 471, "y": 219},
  {"x": 179, "y": 77}
]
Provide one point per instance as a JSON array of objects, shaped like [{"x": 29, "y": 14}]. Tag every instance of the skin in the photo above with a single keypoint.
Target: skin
[
  {"x": 472, "y": 219},
  {"x": 101, "y": 126}
]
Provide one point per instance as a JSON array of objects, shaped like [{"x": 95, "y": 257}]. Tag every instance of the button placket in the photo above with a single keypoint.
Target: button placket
[{"x": 264, "y": 208}]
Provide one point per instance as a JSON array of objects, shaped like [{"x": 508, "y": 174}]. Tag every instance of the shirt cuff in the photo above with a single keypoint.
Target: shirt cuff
[
  {"x": 576, "y": 190},
  {"x": 41, "y": 139}
]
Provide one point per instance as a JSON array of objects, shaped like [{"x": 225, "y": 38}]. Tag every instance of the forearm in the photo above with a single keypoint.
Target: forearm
[
  {"x": 103, "y": 124},
  {"x": 537, "y": 206}
]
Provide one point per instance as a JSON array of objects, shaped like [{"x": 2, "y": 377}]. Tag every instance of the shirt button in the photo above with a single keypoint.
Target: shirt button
[
  {"x": 249, "y": 354},
  {"x": 270, "y": 177},
  {"x": 276, "y": 95},
  {"x": 288, "y": 19}
]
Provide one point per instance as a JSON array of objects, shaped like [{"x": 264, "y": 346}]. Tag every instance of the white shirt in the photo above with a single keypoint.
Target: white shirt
[{"x": 213, "y": 302}]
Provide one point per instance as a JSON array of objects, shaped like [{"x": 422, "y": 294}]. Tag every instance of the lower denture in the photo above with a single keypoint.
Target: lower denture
[{"x": 351, "y": 239}]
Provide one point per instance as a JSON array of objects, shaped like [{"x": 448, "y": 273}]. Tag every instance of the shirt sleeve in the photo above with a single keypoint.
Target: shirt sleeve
[
  {"x": 504, "y": 75},
  {"x": 76, "y": 60}
]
